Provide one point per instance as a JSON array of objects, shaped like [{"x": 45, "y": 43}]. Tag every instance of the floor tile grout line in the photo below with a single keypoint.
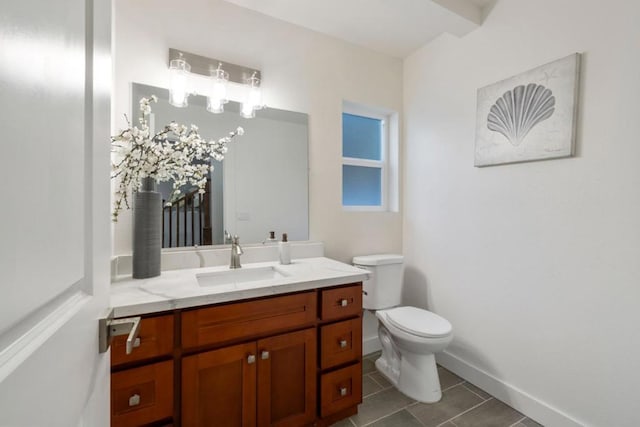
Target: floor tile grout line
[
  {"x": 381, "y": 385},
  {"x": 519, "y": 421},
  {"x": 463, "y": 412},
  {"x": 481, "y": 397},
  {"x": 413, "y": 416},
  {"x": 384, "y": 416},
  {"x": 452, "y": 386},
  {"x": 378, "y": 391}
]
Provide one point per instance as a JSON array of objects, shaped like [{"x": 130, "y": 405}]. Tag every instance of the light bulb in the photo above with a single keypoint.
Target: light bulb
[
  {"x": 253, "y": 98},
  {"x": 214, "y": 106},
  {"x": 247, "y": 111},
  {"x": 218, "y": 90},
  {"x": 179, "y": 74}
]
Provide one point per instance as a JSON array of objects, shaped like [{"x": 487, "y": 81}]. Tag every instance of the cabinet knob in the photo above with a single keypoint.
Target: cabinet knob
[
  {"x": 344, "y": 302},
  {"x": 134, "y": 400},
  {"x": 343, "y": 391},
  {"x": 251, "y": 359},
  {"x": 343, "y": 343},
  {"x": 264, "y": 355}
]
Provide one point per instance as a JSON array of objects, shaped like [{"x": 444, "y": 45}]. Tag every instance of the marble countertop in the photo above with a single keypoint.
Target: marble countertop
[{"x": 180, "y": 288}]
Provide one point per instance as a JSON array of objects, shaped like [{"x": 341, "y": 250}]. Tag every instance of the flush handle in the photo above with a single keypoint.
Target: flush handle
[
  {"x": 110, "y": 327},
  {"x": 134, "y": 400}
]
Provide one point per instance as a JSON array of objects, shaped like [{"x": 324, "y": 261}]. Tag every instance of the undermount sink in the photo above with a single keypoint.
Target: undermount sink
[{"x": 239, "y": 276}]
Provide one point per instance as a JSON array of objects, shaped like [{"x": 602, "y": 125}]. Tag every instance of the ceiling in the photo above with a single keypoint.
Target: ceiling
[{"x": 393, "y": 27}]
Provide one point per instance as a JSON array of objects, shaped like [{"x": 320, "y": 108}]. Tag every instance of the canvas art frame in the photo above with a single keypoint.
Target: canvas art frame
[{"x": 529, "y": 117}]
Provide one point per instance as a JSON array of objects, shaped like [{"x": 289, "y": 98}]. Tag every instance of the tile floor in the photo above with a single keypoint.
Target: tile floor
[{"x": 462, "y": 405}]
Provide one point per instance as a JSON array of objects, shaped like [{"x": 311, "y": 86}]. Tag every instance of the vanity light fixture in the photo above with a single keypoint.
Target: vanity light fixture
[
  {"x": 179, "y": 71},
  {"x": 184, "y": 67},
  {"x": 218, "y": 95},
  {"x": 253, "y": 98}
]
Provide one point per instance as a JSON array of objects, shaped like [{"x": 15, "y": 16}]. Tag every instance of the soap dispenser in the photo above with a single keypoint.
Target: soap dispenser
[
  {"x": 271, "y": 240},
  {"x": 284, "y": 248}
]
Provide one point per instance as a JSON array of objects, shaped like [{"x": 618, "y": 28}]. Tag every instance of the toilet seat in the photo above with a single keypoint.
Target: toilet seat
[{"x": 419, "y": 322}]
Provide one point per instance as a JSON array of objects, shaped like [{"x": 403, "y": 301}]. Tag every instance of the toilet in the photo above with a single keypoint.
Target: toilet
[{"x": 410, "y": 336}]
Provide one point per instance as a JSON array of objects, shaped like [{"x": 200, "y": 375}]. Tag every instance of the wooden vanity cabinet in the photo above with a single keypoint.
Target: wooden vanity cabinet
[
  {"x": 142, "y": 383},
  {"x": 269, "y": 382},
  {"x": 288, "y": 361},
  {"x": 219, "y": 387}
]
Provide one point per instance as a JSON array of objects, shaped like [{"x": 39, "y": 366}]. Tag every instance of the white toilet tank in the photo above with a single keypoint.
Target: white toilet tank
[{"x": 384, "y": 287}]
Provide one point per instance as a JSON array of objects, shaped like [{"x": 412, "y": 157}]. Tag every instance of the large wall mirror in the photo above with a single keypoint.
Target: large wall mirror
[{"x": 260, "y": 186}]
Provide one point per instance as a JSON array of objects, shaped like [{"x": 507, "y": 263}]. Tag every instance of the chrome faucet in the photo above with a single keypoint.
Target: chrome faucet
[{"x": 236, "y": 251}]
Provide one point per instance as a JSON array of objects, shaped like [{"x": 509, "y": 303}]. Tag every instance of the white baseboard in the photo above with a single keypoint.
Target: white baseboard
[
  {"x": 533, "y": 408},
  {"x": 370, "y": 345}
]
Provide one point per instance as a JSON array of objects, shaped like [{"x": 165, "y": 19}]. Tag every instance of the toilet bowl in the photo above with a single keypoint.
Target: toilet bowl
[{"x": 409, "y": 336}]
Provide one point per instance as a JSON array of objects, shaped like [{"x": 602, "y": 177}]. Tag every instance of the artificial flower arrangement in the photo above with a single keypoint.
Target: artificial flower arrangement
[{"x": 177, "y": 153}]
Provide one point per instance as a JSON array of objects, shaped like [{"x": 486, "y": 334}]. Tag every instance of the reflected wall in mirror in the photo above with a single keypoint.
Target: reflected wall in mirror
[{"x": 260, "y": 186}]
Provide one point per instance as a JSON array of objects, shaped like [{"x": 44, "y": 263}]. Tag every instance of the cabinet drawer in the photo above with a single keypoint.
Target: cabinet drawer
[
  {"x": 341, "y": 342},
  {"x": 142, "y": 395},
  {"x": 247, "y": 319},
  {"x": 340, "y": 389},
  {"x": 155, "y": 339},
  {"x": 341, "y": 302}
]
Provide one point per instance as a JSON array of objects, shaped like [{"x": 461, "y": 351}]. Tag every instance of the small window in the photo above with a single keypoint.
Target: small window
[{"x": 365, "y": 158}]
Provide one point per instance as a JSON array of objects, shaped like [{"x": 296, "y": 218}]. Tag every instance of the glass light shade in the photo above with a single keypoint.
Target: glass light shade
[
  {"x": 214, "y": 106},
  {"x": 247, "y": 111},
  {"x": 218, "y": 91},
  {"x": 178, "y": 85},
  {"x": 253, "y": 98}
]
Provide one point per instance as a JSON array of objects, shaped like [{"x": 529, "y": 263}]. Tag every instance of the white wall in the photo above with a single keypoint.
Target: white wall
[
  {"x": 535, "y": 265},
  {"x": 302, "y": 71}
]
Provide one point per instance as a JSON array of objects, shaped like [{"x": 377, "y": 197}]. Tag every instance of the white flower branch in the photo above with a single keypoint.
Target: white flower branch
[{"x": 177, "y": 153}]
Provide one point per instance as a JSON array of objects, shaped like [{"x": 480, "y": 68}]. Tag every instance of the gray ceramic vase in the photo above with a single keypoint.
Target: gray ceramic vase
[{"x": 147, "y": 230}]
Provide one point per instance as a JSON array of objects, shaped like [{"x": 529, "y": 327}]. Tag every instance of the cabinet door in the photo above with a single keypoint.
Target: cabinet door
[
  {"x": 219, "y": 388},
  {"x": 287, "y": 379}
]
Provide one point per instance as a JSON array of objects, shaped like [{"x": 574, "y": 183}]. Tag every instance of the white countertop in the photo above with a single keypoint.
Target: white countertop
[{"x": 180, "y": 288}]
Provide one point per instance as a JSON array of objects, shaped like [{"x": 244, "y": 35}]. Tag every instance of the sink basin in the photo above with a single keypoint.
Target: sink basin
[{"x": 239, "y": 276}]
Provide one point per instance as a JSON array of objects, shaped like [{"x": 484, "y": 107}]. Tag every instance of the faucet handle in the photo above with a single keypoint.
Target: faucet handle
[{"x": 236, "y": 243}]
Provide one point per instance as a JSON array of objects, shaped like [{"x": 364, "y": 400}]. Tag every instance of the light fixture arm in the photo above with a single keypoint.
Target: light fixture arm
[{"x": 203, "y": 66}]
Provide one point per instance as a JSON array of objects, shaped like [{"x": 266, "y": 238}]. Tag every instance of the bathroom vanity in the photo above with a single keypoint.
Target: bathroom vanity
[{"x": 271, "y": 345}]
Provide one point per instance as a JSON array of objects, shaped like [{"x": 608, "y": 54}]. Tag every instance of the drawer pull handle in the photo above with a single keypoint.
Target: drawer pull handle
[
  {"x": 344, "y": 302},
  {"x": 343, "y": 391},
  {"x": 264, "y": 355},
  {"x": 134, "y": 400},
  {"x": 343, "y": 343},
  {"x": 251, "y": 359}
]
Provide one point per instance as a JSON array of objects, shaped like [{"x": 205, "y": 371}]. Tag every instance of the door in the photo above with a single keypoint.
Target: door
[
  {"x": 54, "y": 221},
  {"x": 287, "y": 379},
  {"x": 219, "y": 387}
]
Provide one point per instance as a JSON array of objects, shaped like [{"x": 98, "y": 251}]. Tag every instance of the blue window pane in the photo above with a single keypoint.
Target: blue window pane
[
  {"x": 361, "y": 137},
  {"x": 361, "y": 186}
]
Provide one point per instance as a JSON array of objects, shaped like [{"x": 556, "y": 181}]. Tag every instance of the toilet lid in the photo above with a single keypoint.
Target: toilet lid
[{"x": 419, "y": 322}]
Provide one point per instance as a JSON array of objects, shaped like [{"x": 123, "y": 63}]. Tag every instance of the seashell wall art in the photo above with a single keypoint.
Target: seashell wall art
[{"x": 531, "y": 116}]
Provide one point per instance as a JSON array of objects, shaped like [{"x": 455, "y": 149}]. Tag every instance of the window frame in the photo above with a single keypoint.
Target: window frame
[{"x": 382, "y": 164}]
